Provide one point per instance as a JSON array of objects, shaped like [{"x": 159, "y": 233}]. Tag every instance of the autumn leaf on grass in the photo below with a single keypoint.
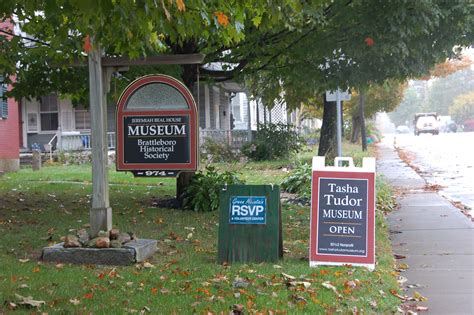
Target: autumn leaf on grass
[
  {"x": 23, "y": 260},
  {"x": 88, "y": 296},
  {"x": 74, "y": 301},
  {"x": 154, "y": 291},
  {"x": 28, "y": 301},
  {"x": 328, "y": 285},
  {"x": 36, "y": 269}
]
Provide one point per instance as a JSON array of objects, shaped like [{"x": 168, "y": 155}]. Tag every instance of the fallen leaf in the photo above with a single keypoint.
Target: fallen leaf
[
  {"x": 397, "y": 256},
  {"x": 28, "y": 300},
  {"x": 165, "y": 291},
  {"x": 59, "y": 266},
  {"x": 88, "y": 296},
  {"x": 402, "y": 267},
  {"x": 154, "y": 291},
  {"x": 74, "y": 301},
  {"x": 12, "y": 306},
  {"x": 288, "y": 277},
  {"x": 240, "y": 283},
  {"x": 305, "y": 284},
  {"x": 417, "y": 296},
  {"x": 277, "y": 267},
  {"x": 23, "y": 260},
  {"x": 329, "y": 286},
  {"x": 36, "y": 269}
]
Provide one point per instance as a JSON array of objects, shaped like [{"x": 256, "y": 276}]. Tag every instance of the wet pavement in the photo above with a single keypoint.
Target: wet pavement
[
  {"x": 433, "y": 240},
  {"x": 446, "y": 160}
]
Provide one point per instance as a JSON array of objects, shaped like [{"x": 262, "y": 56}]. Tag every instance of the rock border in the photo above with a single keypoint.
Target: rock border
[{"x": 130, "y": 253}]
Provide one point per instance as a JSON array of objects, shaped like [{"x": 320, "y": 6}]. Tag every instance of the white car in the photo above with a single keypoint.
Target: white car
[{"x": 426, "y": 124}]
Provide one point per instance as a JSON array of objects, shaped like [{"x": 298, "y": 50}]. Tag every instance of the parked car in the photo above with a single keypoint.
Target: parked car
[
  {"x": 426, "y": 123},
  {"x": 403, "y": 129},
  {"x": 469, "y": 125}
]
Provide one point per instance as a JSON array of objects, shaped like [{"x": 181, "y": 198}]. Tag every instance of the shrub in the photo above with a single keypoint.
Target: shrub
[
  {"x": 202, "y": 194},
  {"x": 386, "y": 201},
  {"x": 217, "y": 151},
  {"x": 273, "y": 141},
  {"x": 299, "y": 181}
]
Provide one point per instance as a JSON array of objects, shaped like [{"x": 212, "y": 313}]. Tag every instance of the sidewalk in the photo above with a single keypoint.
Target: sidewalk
[{"x": 436, "y": 238}]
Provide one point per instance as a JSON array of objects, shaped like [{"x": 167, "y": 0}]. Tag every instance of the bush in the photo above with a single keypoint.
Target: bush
[
  {"x": 273, "y": 141},
  {"x": 299, "y": 181},
  {"x": 202, "y": 194},
  {"x": 217, "y": 151},
  {"x": 386, "y": 201}
]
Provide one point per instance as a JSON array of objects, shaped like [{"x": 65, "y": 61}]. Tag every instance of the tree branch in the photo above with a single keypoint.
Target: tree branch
[{"x": 25, "y": 37}]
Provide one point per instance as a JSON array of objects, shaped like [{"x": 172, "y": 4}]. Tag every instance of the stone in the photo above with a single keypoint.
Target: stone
[
  {"x": 133, "y": 236},
  {"x": 36, "y": 160},
  {"x": 102, "y": 242},
  {"x": 103, "y": 234},
  {"x": 115, "y": 244},
  {"x": 135, "y": 251},
  {"x": 144, "y": 248},
  {"x": 83, "y": 236},
  {"x": 71, "y": 241},
  {"x": 124, "y": 238},
  {"x": 114, "y": 233}
]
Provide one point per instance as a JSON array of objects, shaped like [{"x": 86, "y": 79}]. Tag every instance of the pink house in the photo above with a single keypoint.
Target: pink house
[{"x": 9, "y": 123}]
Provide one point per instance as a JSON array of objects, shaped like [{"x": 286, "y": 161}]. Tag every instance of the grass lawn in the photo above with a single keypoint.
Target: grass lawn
[{"x": 37, "y": 208}]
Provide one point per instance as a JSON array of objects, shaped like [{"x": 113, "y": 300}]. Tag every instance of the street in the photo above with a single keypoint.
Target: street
[{"x": 446, "y": 160}]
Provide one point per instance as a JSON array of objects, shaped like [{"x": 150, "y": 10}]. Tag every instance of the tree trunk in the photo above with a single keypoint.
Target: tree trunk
[
  {"x": 189, "y": 77},
  {"x": 327, "y": 140},
  {"x": 355, "y": 128},
  {"x": 362, "y": 120}
]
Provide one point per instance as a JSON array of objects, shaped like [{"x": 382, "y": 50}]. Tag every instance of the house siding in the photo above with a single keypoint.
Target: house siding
[{"x": 9, "y": 130}]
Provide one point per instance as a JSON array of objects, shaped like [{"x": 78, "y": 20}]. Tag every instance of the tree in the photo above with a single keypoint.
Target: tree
[
  {"x": 410, "y": 104},
  {"x": 366, "y": 103},
  {"x": 283, "y": 49},
  {"x": 462, "y": 108}
]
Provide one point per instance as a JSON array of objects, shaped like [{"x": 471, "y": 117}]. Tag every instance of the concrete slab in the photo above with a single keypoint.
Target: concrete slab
[
  {"x": 436, "y": 238},
  {"x": 134, "y": 251}
]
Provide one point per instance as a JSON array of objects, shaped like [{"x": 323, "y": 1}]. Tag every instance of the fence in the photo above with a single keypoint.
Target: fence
[
  {"x": 235, "y": 138},
  {"x": 69, "y": 141}
]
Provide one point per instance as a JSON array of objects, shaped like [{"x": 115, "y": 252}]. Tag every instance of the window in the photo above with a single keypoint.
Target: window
[
  {"x": 49, "y": 113},
  {"x": 3, "y": 100},
  {"x": 82, "y": 118}
]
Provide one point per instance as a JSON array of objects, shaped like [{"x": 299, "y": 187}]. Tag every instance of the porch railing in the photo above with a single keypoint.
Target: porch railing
[
  {"x": 235, "y": 138},
  {"x": 81, "y": 141}
]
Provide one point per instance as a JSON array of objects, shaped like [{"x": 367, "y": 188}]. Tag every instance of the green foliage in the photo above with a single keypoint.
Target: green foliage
[
  {"x": 202, "y": 194},
  {"x": 385, "y": 198},
  {"x": 273, "y": 141},
  {"x": 299, "y": 181},
  {"x": 217, "y": 151},
  {"x": 462, "y": 108}
]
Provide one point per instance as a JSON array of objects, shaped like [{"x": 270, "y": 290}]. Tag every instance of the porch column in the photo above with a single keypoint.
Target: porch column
[{"x": 100, "y": 213}]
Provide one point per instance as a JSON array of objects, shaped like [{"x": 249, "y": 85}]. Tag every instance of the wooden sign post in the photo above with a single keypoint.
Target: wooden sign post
[{"x": 343, "y": 213}]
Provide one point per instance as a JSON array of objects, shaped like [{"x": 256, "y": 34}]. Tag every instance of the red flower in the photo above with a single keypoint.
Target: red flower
[{"x": 369, "y": 41}]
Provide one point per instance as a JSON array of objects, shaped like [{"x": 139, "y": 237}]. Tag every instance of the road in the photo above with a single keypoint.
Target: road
[{"x": 446, "y": 160}]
